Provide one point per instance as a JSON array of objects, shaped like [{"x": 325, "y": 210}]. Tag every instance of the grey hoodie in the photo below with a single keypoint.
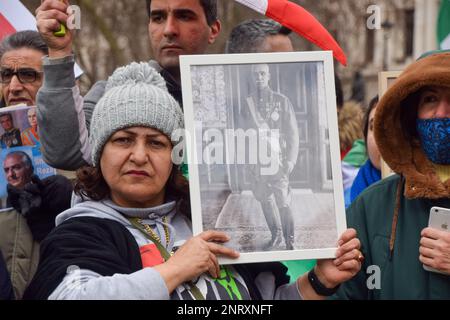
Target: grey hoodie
[{"x": 148, "y": 283}]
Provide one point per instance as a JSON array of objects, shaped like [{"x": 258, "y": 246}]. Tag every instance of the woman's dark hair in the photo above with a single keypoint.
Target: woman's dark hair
[
  {"x": 23, "y": 39},
  {"x": 91, "y": 183},
  {"x": 209, "y": 7},
  {"x": 372, "y": 104}
]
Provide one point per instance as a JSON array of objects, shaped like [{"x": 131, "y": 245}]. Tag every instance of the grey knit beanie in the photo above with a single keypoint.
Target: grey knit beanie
[{"x": 135, "y": 95}]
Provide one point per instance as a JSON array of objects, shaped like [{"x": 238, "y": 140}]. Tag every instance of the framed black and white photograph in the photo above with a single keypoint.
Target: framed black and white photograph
[{"x": 262, "y": 149}]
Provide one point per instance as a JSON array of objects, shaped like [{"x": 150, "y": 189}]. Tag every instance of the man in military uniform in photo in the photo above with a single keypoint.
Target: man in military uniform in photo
[
  {"x": 11, "y": 137},
  {"x": 273, "y": 112}
]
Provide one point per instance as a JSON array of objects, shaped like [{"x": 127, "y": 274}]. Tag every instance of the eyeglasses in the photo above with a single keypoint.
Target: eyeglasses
[{"x": 25, "y": 75}]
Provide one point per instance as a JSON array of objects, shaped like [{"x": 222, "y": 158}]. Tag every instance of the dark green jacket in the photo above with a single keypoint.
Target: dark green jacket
[{"x": 402, "y": 276}]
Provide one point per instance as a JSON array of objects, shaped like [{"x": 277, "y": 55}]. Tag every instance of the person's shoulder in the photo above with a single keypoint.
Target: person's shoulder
[
  {"x": 388, "y": 183},
  {"x": 57, "y": 178},
  {"x": 91, "y": 227},
  {"x": 377, "y": 197}
]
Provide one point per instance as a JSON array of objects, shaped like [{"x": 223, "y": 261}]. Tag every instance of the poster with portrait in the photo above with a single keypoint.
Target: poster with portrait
[
  {"x": 20, "y": 155},
  {"x": 262, "y": 148}
]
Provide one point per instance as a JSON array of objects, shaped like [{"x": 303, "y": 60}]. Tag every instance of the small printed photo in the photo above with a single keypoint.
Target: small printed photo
[
  {"x": 18, "y": 127},
  {"x": 263, "y": 153},
  {"x": 20, "y": 155}
]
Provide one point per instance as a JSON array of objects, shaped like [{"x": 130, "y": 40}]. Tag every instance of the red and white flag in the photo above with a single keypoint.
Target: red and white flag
[
  {"x": 299, "y": 20},
  {"x": 14, "y": 16}
]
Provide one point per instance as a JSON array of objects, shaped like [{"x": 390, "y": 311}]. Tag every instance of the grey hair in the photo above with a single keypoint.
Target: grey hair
[
  {"x": 26, "y": 160},
  {"x": 248, "y": 36},
  {"x": 23, "y": 39}
]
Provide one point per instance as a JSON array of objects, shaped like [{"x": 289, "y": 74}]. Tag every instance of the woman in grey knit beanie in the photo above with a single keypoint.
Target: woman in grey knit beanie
[{"x": 132, "y": 237}]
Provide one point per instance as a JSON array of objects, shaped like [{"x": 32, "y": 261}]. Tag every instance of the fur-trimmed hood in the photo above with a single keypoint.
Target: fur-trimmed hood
[{"x": 405, "y": 155}]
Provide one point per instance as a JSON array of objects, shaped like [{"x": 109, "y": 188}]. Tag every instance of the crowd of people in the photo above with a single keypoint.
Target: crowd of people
[{"x": 125, "y": 230}]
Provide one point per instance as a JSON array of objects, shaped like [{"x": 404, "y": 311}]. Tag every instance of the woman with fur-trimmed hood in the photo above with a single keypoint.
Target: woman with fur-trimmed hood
[{"x": 412, "y": 130}]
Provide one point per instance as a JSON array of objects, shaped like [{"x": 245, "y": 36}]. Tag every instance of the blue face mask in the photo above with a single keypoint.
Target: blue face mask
[{"x": 435, "y": 137}]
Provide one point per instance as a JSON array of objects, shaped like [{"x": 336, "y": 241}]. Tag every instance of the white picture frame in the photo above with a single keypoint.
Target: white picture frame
[{"x": 214, "y": 89}]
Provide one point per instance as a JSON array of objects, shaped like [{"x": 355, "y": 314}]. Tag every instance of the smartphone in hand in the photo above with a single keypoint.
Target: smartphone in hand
[{"x": 439, "y": 220}]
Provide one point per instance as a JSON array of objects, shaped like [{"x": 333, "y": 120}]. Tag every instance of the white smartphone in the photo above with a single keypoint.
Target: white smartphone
[{"x": 440, "y": 220}]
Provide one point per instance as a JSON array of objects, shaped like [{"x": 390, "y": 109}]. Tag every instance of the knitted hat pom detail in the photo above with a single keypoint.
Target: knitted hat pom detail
[{"x": 135, "y": 73}]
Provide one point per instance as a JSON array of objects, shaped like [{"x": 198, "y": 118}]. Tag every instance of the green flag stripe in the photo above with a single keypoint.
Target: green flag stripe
[{"x": 443, "y": 29}]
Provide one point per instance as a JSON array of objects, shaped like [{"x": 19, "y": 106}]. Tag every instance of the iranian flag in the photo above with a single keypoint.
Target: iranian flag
[
  {"x": 444, "y": 25},
  {"x": 14, "y": 16},
  {"x": 299, "y": 20}
]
